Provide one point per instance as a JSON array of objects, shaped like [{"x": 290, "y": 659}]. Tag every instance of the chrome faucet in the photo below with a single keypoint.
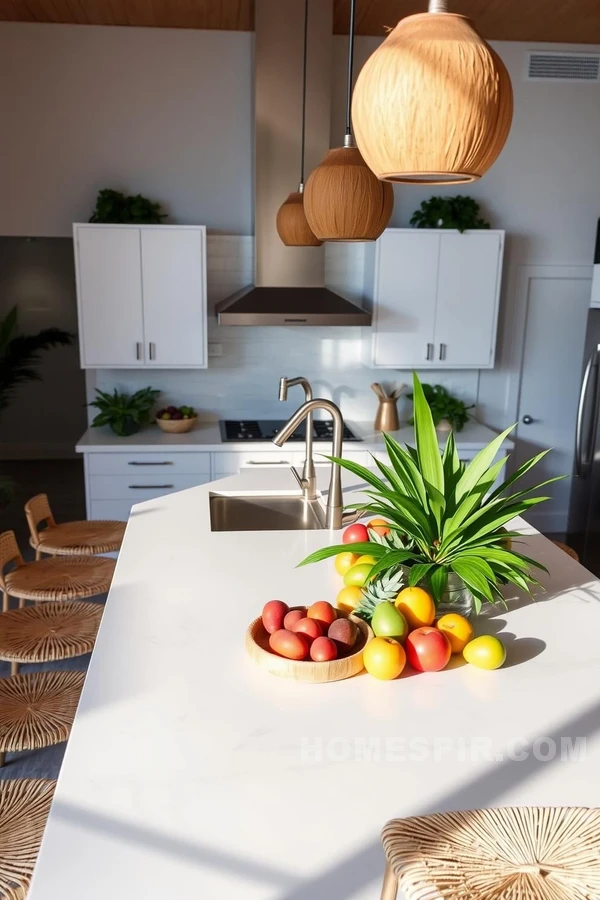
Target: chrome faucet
[
  {"x": 308, "y": 482},
  {"x": 334, "y": 508}
]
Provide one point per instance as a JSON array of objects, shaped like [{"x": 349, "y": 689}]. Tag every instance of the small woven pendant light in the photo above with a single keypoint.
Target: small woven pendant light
[
  {"x": 344, "y": 200},
  {"x": 434, "y": 102},
  {"x": 292, "y": 227}
]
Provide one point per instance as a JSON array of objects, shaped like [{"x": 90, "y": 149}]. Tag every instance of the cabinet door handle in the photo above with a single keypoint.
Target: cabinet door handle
[
  {"x": 169, "y": 463},
  {"x": 152, "y": 350},
  {"x": 150, "y": 487},
  {"x": 268, "y": 462},
  {"x": 442, "y": 351},
  {"x": 138, "y": 350},
  {"x": 429, "y": 354}
]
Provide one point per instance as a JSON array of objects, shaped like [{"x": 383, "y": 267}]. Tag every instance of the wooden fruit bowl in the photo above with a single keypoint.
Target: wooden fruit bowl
[
  {"x": 257, "y": 645},
  {"x": 177, "y": 426}
]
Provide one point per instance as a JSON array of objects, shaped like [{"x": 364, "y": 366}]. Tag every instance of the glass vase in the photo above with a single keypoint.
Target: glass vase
[{"x": 457, "y": 598}]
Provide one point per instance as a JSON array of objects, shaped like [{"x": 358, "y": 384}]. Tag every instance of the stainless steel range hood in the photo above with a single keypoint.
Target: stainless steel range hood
[{"x": 289, "y": 288}]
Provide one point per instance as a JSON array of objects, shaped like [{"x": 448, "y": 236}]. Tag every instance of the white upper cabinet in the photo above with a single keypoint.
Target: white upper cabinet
[
  {"x": 436, "y": 298},
  {"x": 141, "y": 294}
]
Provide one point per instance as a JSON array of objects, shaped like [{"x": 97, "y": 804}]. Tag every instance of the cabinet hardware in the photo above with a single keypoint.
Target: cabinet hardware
[
  {"x": 268, "y": 462},
  {"x": 527, "y": 420},
  {"x": 442, "y": 351},
  {"x": 429, "y": 354},
  {"x": 149, "y": 487},
  {"x": 152, "y": 349},
  {"x": 138, "y": 350},
  {"x": 166, "y": 463}
]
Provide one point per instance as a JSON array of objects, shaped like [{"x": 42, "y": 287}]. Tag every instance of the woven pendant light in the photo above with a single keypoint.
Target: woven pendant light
[
  {"x": 292, "y": 227},
  {"x": 434, "y": 103},
  {"x": 344, "y": 200}
]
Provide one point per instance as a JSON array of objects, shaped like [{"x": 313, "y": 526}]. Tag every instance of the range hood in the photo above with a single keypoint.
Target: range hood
[{"x": 289, "y": 288}]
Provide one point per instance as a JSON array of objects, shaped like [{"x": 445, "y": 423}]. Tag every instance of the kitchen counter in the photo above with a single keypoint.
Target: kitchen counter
[
  {"x": 192, "y": 773},
  {"x": 206, "y": 436}
]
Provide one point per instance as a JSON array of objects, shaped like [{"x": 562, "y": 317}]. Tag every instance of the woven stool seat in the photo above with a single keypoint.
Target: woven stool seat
[
  {"x": 24, "y": 807},
  {"x": 54, "y": 630},
  {"x": 514, "y": 853},
  {"x": 66, "y": 578},
  {"x": 568, "y": 550},
  {"x": 85, "y": 538},
  {"x": 37, "y": 710}
]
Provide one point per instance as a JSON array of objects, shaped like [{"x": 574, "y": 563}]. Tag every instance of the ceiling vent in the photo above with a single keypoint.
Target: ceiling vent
[{"x": 543, "y": 66}]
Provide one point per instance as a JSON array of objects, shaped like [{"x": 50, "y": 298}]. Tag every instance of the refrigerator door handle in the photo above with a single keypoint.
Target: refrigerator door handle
[{"x": 580, "y": 463}]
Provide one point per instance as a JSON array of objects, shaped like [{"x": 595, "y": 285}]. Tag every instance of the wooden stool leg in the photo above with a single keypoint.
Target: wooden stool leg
[
  {"x": 5, "y": 601},
  {"x": 389, "y": 891},
  {"x": 2, "y": 759},
  {"x": 14, "y": 668},
  {"x": 38, "y": 554},
  {"x": 21, "y": 603}
]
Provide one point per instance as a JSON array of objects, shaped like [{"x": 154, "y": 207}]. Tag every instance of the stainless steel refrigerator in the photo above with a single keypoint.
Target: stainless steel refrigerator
[{"x": 584, "y": 512}]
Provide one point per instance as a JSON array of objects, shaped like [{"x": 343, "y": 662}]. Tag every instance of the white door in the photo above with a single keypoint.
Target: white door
[
  {"x": 111, "y": 331},
  {"x": 173, "y": 268},
  {"x": 405, "y": 299},
  {"x": 556, "y": 317},
  {"x": 467, "y": 306}
]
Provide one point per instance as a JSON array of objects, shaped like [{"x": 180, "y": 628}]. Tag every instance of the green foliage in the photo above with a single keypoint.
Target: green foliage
[
  {"x": 451, "y": 516},
  {"x": 125, "y": 413},
  {"x": 113, "y": 207},
  {"x": 7, "y": 489},
  {"x": 444, "y": 406},
  {"x": 448, "y": 212},
  {"x": 20, "y": 354}
]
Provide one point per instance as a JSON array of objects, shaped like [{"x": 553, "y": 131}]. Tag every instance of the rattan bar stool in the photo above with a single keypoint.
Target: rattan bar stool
[
  {"x": 72, "y": 578},
  {"x": 37, "y": 710},
  {"x": 568, "y": 550},
  {"x": 514, "y": 853},
  {"x": 86, "y": 538},
  {"x": 24, "y": 807},
  {"x": 48, "y": 632}
]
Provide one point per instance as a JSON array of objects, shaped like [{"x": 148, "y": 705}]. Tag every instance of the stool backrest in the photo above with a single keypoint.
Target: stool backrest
[
  {"x": 9, "y": 553},
  {"x": 37, "y": 511}
]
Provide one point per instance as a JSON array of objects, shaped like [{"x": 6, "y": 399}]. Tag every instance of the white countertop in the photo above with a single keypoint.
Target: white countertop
[
  {"x": 192, "y": 773},
  {"x": 206, "y": 436}
]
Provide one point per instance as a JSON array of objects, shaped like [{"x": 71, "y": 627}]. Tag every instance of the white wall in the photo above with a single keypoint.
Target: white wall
[{"x": 166, "y": 113}]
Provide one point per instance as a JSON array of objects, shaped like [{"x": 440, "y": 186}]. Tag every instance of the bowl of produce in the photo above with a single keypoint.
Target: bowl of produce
[
  {"x": 177, "y": 419},
  {"x": 317, "y": 643}
]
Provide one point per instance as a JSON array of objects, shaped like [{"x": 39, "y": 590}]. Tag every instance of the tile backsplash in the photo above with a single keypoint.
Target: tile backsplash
[{"x": 243, "y": 382}]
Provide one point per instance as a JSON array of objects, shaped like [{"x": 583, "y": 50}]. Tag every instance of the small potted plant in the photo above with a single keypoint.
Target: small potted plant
[
  {"x": 448, "y": 412},
  {"x": 447, "y": 519},
  {"x": 124, "y": 413}
]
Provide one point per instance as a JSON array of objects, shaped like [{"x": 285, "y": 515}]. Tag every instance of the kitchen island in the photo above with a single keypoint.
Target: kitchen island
[{"x": 192, "y": 773}]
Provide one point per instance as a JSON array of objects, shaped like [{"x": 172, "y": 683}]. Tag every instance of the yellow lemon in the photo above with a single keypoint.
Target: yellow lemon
[
  {"x": 357, "y": 575},
  {"x": 349, "y": 598},
  {"x": 345, "y": 561},
  {"x": 485, "y": 652},
  {"x": 457, "y": 629},
  {"x": 417, "y": 607},
  {"x": 365, "y": 559},
  {"x": 384, "y": 658}
]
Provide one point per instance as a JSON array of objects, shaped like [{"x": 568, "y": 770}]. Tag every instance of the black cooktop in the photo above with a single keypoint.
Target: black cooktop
[{"x": 266, "y": 429}]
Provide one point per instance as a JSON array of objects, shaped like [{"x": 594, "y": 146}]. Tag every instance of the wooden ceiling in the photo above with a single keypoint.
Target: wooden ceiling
[{"x": 570, "y": 21}]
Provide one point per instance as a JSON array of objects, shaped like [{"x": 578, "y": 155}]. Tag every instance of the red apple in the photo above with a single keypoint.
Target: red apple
[
  {"x": 273, "y": 615},
  {"x": 427, "y": 649},
  {"x": 310, "y": 628},
  {"x": 323, "y": 649},
  {"x": 355, "y": 534},
  {"x": 323, "y": 612}
]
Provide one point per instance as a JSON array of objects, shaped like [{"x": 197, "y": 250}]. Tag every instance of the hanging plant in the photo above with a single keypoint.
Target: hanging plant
[{"x": 457, "y": 212}]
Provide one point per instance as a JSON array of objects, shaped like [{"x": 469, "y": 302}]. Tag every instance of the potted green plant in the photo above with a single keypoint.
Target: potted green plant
[
  {"x": 116, "y": 208},
  {"x": 448, "y": 412},
  {"x": 124, "y": 413},
  {"x": 458, "y": 212},
  {"x": 447, "y": 518}
]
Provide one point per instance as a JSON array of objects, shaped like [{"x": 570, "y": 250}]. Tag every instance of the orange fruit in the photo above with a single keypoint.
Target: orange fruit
[
  {"x": 345, "y": 561},
  {"x": 384, "y": 658},
  {"x": 379, "y": 526},
  {"x": 457, "y": 629},
  {"x": 417, "y": 607},
  {"x": 349, "y": 598}
]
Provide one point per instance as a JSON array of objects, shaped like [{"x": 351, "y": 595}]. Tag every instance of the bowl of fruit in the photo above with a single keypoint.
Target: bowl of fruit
[
  {"x": 317, "y": 643},
  {"x": 177, "y": 419}
]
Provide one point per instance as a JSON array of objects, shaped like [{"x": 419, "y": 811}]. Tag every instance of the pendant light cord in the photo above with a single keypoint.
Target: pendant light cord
[
  {"x": 303, "y": 142},
  {"x": 350, "y": 71}
]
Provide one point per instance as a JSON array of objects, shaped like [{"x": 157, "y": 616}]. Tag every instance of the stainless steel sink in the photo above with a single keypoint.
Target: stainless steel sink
[{"x": 266, "y": 512}]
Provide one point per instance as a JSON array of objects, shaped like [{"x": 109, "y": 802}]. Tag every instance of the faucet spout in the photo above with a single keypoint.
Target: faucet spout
[
  {"x": 309, "y": 476},
  {"x": 334, "y": 508}
]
